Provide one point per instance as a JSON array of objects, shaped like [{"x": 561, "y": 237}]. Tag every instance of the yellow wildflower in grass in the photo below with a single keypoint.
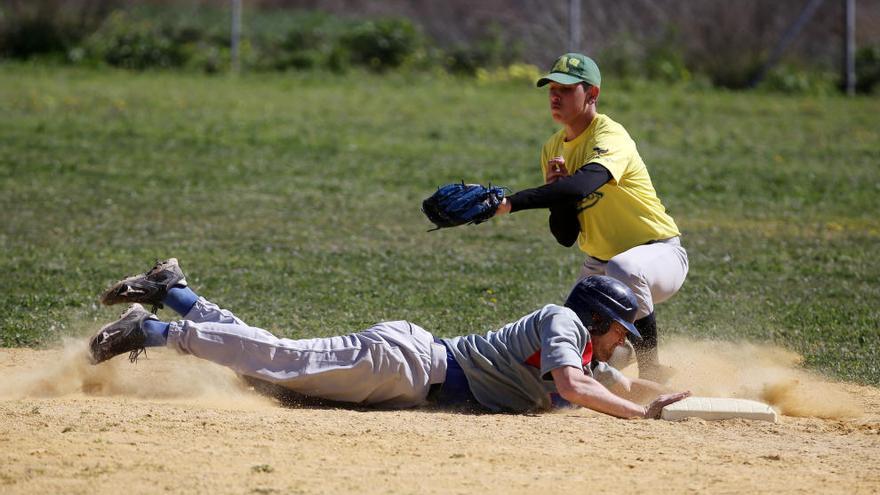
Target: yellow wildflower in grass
[{"x": 511, "y": 73}]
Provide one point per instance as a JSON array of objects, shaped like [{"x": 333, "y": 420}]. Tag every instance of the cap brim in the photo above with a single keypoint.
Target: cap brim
[
  {"x": 560, "y": 78},
  {"x": 631, "y": 329}
]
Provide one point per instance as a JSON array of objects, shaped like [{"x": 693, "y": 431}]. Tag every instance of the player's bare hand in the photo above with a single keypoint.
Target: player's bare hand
[
  {"x": 655, "y": 408},
  {"x": 555, "y": 170},
  {"x": 503, "y": 208}
]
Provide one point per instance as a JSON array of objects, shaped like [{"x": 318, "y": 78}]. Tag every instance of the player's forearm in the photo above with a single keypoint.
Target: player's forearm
[
  {"x": 563, "y": 191},
  {"x": 591, "y": 394},
  {"x": 600, "y": 399}
]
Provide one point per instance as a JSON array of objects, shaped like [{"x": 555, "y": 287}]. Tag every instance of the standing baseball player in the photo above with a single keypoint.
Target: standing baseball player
[
  {"x": 550, "y": 356},
  {"x": 599, "y": 193}
]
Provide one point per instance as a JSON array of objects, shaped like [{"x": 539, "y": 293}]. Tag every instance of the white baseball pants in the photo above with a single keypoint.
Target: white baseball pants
[
  {"x": 653, "y": 271},
  {"x": 392, "y": 364}
]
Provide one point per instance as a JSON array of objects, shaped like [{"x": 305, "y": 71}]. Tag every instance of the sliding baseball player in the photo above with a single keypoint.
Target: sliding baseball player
[{"x": 553, "y": 356}]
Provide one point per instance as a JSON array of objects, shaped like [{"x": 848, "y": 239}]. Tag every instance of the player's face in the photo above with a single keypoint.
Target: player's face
[
  {"x": 603, "y": 345},
  {"x": 567, "y": 102}
]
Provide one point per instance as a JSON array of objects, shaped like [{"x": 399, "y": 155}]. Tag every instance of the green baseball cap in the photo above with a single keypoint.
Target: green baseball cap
[{"x": 573, "y": 68}]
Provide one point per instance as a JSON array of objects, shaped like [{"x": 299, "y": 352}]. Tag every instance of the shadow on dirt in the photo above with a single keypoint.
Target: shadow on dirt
[{"x": 289, "y": 398}]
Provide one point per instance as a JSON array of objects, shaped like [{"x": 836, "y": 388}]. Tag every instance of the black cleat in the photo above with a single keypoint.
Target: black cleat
[
  {"x": 123, "y": 335},
  {"x": 147, "y": 288}
]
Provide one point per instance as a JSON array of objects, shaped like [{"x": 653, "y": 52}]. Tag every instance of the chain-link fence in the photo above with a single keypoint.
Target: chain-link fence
[{"x": 727, "y": 42}]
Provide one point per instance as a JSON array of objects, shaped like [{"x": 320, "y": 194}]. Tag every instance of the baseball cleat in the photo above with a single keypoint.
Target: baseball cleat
[
  {"x": 147, "y": 288},
  {"x": 123, "y": 335}
]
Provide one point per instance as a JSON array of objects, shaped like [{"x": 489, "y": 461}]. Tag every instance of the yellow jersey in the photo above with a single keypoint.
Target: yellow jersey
[{"x": 623, "y": 213}]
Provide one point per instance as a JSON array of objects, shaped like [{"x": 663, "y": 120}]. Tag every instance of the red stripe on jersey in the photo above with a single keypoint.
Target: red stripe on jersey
[{"x": 535, "y": 359}]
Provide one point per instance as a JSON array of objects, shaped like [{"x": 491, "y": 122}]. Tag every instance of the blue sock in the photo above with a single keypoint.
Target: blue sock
[
  {"x": 157, "y": 332},
  {"x": 180, "y": 299}
]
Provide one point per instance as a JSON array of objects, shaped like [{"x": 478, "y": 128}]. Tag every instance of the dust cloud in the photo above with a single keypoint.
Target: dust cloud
[
  {"x": 162, "y": 374},
  {"x": 760, "y": 372},
  {"x": 707, "y": 368}
]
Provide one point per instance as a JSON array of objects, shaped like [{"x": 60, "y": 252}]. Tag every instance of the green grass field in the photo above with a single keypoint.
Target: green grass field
[{"x": 294, "y": 200}]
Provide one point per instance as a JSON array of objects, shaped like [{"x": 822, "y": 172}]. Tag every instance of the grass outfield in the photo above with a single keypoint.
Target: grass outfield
[{"x": 294, "y": 200}]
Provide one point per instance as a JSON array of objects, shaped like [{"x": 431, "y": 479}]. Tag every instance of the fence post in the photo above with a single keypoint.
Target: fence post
[
  {"x": 849, "y": 47},
  {"x": 236, "y": 34},
  {"x": 574, "y": 25},
  {"x": 790, "y": 34}
]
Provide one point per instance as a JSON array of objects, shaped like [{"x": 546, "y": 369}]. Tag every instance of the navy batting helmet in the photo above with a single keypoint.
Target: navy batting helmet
[{"x": 608, "y": 297}]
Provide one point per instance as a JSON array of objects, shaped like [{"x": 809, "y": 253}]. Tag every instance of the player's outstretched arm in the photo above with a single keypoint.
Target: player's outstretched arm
[
  {"x": 638, "y": 389},
  {"x": 578, "y": 388},
  {"x": 564, "y": 190}
]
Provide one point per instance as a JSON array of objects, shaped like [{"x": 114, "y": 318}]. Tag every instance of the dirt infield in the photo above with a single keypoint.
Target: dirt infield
[{"x": 175, "y": 423}]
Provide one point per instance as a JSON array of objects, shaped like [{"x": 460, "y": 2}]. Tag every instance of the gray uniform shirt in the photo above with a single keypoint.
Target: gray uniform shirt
[{"x": 495, "y": 363}]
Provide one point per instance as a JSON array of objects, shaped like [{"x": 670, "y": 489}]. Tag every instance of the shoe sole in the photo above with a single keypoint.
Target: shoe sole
[{"x": 112, "y": 295}]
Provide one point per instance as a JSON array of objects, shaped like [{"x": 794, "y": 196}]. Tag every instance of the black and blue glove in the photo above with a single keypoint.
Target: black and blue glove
[{"x": 458, "y": 204}]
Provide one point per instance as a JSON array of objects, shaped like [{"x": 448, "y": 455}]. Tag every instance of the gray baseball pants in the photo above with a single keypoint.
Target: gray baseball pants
[
  {"x": 392, "y": 364},
  {"x": 653, "y": 271}
]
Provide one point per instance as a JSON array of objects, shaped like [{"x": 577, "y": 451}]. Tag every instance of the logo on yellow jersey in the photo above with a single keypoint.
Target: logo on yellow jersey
[
  {"x": 597, "y": 153},
  {"x": 590, "y": 201}
]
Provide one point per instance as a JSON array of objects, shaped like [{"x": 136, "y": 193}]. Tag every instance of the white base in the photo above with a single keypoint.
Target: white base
[{"x": 716, "y": 408}]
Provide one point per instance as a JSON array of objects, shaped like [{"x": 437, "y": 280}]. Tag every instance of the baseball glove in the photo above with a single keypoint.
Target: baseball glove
[{"x": 458, "y": 204}]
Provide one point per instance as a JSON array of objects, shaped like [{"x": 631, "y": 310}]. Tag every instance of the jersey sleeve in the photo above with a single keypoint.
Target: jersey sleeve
[
  {"x": 613, "y": 150},
  {"x": 563, "y": 339}
]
